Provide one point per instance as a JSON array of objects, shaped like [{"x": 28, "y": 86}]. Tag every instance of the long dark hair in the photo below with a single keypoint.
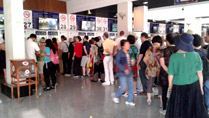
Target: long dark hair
[
  {"x": 50, "y": 45},
  {"x": 54, "y": 40}
]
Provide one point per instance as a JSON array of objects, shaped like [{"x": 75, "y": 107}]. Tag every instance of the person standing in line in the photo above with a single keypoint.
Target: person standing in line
[
  {"x": 40, "y": 59},
  {"x": 70, "y": 54},
  {"x": 54, "y": 40},
  {"x": 164, "y": 62},
  {"x": 60, "y": 56},
  {"x": 185, "y": 81},
  {"x": 49, "y": 66},
  {"x": 122, "y": 37},
  {"x": 3, "y": 58},
  {"x": 202, "y": 52},
  {"x": 145, "y": 45},
  {"x": 78, "y": 52},
  {"x": 86, "y": 56},
  {"x": 152, "y": 61},
  {"x": 110, "y": 48},
  {"x": 64, "y": 50},
  {"x": 124, "y": 73},
  {"x": 31, "y": 48}
]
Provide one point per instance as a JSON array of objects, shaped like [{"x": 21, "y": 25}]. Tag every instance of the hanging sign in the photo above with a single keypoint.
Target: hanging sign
[
  {"x": 104, "y": 24},
  {"x": 28, "y": 19},
  {"x": 98, "y": 24},
  {"x": 63, "y": 21},
  {"x": 72, "y": 22}
]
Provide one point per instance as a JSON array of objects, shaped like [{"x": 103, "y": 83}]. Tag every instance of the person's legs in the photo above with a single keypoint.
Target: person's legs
[
  {"x": 143, "y": 76},
  {"x": 65, "y": 61},
  {"x": 46, "y": 75},
  {"x": 70, "y": 61},
  {"x": 106, "y": 69},
  {"x": 53, "y": 73},
  {"x": 122, "y": 89},
  {"x": 111, "y": 70},
  {"x": 206, "y": 91},
  {"x": 130, "y": 83},
  {"x": 149, "y": 88},
  {"x": 83, "y": 65},
  {"x": 139, "y": 83},
  {"x": 164, "y": 96},
  {"x": 79, "y": 67}
]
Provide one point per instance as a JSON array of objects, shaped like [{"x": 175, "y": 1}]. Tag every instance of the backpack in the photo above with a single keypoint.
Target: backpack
[
  {"x": 133, "y": 53},
  {"x": 100, "y": 52},
  {"x": 54, "y": 57}
]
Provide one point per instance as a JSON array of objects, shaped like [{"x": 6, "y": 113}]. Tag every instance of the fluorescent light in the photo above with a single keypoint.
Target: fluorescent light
[
  {"x": 145, "y": 3},
  {"x": 89, "y": 12}
]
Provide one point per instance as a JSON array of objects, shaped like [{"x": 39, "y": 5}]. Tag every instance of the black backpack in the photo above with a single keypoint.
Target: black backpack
[{"x": 100, "y": 52}]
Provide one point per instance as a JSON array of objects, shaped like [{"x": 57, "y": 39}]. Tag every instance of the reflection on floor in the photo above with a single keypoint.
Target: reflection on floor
[{"x": 77, "y": 98}]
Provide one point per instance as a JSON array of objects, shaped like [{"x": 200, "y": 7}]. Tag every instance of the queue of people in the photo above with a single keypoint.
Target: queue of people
[{"x": 180, "y": 71}]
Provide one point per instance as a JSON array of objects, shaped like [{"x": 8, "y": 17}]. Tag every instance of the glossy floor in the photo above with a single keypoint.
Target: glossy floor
[{"x": 77, "y": 98}]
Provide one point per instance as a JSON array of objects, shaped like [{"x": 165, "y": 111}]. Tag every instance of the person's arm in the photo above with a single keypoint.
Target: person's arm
[
  {"x": 200, "y": 76},
  {"x": 92, "y": 55},
  {"x": 162, "y": 63},
  {"x": 170, "y": 80},
  {"x": 146, "y": 58},
  {"x": 115, "y": 49},
  {"x": 139, "y": 58},
  {"x": 85, "y": 51},
  {"x": 37, "y": 49}
]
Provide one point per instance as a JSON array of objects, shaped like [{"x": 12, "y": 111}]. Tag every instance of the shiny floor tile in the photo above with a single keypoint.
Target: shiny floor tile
[{"x": 77, "y": 98}]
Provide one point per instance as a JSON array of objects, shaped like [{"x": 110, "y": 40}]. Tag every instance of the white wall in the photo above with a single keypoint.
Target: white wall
[{"x": 74, "y": 6}]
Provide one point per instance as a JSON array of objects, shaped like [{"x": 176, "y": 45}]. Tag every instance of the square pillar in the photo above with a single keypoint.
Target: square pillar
[
  {"x": 14, "y": 32},
  {"x": 140, "y": 19},
  {"x": 125, "y": 15}
]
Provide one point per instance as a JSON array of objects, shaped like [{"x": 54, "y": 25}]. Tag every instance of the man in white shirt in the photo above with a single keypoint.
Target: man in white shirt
[
  {"x": 122, "y": 37},
  {"x": 31, "y": 48},
  {"x": 64, "y": 49}
]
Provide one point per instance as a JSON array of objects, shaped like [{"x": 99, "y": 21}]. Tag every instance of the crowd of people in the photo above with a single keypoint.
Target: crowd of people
[{"x": 177, "y": 66}]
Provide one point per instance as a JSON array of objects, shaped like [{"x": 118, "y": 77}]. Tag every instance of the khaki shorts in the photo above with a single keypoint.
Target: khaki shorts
[
  {"x": 40, "y": 67},
  {"x": 84, "y": 61}
]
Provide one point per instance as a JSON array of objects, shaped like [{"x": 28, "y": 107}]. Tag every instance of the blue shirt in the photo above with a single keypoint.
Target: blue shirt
[{"x": 46, "y": 58}]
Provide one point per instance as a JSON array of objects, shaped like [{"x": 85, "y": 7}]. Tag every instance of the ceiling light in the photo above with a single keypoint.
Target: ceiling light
[
  {"x": 145, "y": 3},
  {"x": 89, "y": 12},
  {"x": 116, "y": 15}
]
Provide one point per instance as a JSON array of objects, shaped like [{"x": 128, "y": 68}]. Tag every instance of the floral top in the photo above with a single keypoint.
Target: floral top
[{"x": 153, "y": 66}]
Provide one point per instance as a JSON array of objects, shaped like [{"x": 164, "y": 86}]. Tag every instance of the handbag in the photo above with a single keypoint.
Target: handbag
[{"x": 54, "y": 57}]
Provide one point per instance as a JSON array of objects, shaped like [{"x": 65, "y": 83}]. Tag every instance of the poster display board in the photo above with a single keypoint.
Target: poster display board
[
  {"x": 98, "y": 24},
  {"x": 72, "y": 22},
  {"x": 162, "y": 28},
  {"x": 63, "y": 24},
  {"x": 175, "y": 28},
  {"x": 28, "y": 19}
]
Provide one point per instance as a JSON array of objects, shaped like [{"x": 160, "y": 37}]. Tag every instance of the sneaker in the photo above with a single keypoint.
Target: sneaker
[
  {"x": 93, "y": 80},
  {"x": 47, "y": 89},
  {"x": 67, "y": 75},
  {"x": 149, "y": 102},
  {"x": 83, "y": 76},
  {"x": 52, "y": 87},
  {"x": 114, "y": 99},
  {"x": 102, "y": 81},
  {"x": 162, "y": 111},
  {"x": 130, "y": 103},
  {"x": 125, "y": 95},
  {"x": 76, "y": 76},
  {"x": 135, "y": 94},
  {"x": 106, "y": 84}
]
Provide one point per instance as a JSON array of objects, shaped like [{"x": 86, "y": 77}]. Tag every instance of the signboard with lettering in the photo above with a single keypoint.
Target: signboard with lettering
[
  {"x": 104, "y": 24},
  {"x": 28, "y": 19},
  {"x": 63, "y": 21},
  {"x": 72, "y": 22},
  {"x": 184, "y": 1},
  {"x": 98, "y": 24}
]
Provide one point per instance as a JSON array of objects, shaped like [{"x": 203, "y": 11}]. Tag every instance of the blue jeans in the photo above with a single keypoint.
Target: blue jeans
[
  {"x": 206, "y": 91},
  {"x": 126, "y": 81}
]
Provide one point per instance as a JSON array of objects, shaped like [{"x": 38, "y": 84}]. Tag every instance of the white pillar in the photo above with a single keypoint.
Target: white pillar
[
  {"x": 14, "y": 32},
  {"x": 125, "y": 16},
  {"x": 193, "y": 24},
  {"x": 140, "y": 19}
]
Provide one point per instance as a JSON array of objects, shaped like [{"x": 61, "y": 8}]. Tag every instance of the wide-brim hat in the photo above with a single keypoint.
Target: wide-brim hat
[{"x": 184, "y": 42}]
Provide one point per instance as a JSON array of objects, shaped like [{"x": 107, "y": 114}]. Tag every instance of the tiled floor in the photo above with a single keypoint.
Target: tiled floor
[{"x": 77, "y": 98}]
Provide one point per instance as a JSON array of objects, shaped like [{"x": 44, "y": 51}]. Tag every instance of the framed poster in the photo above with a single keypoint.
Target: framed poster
[
  {"x": 63, "y": 24},
  {"x": 98, "y": 24},
  {"x": 72, "y": 22},
  {"x": 104, "y": 24},
  {"x": 28, "y": 19}
]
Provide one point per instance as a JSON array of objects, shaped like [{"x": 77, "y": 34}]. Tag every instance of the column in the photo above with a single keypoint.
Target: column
[
  {"x": 140, "y": 19},
  {"x": 193, "y": 24},
  {"x": 125, "y": 16},
  {"x": 14, "y": 32}
]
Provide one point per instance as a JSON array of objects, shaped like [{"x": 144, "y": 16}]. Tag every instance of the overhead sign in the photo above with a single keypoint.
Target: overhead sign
[
  {"x": 72, "y": 22},
  {"x": 28, "y": 19},
  {"x": 184, "y": 1},
  {"x": 63, "y": 21},
  {"x": 98, "y": 24},
  {"x": 104, "y": 24}
]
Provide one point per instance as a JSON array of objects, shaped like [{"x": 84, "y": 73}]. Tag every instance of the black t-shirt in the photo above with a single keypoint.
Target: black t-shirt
[
  {"x": 88, "y": 46},
  {"x": 71, "y": 49},
  {"x": 203, "y": 55},
  {"x": 144, "y": 47}
]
